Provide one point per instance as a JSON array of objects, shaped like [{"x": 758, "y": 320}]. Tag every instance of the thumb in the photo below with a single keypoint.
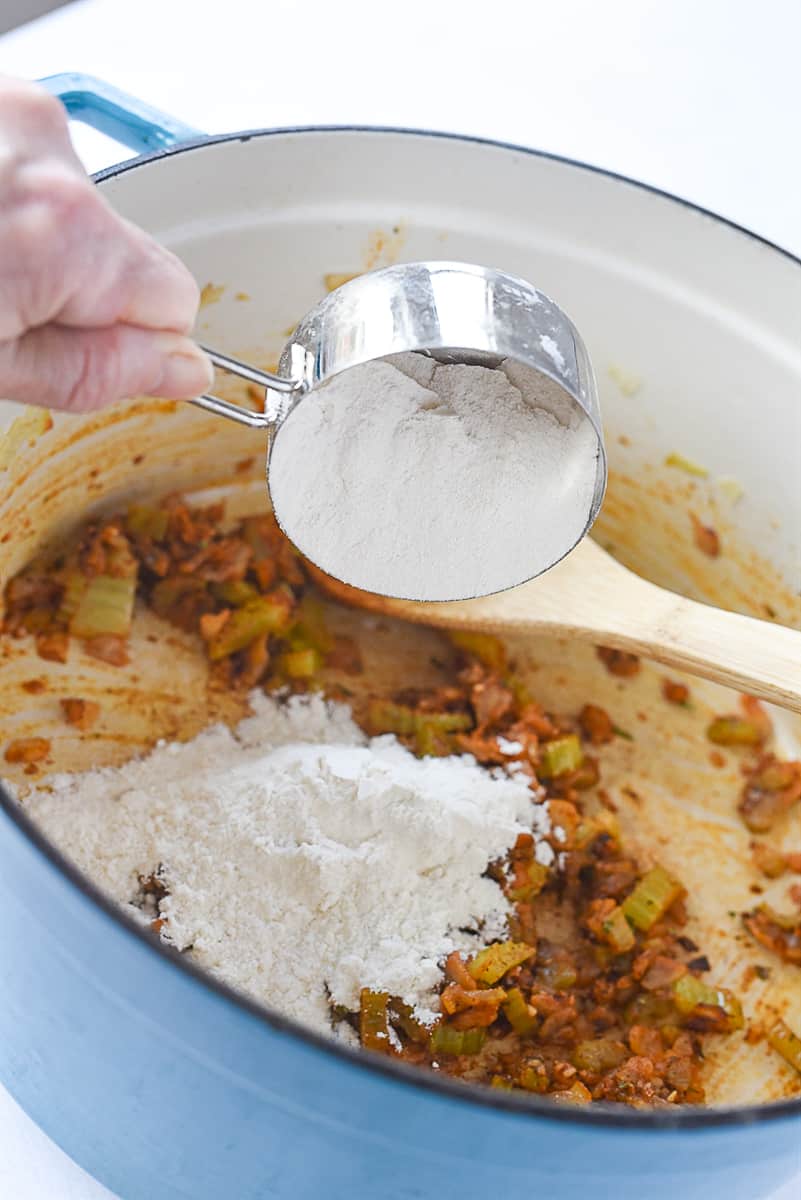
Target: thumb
[{"x": 78, "y": 370}]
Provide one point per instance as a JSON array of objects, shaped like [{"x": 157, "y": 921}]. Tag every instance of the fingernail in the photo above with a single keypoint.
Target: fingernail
[{"x": 186, "y": 373}]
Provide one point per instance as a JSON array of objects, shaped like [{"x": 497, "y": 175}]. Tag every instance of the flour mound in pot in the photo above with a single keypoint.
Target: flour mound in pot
[{"x": 301, "y": 860}]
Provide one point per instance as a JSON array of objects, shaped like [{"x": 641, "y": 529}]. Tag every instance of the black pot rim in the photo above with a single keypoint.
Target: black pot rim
[{"x": 592, "y": 1115}]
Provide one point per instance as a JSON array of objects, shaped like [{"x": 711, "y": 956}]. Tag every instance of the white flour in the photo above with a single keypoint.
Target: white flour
[
  {"x": 433, "y": 482},
  {"x": 302, "y": 860}
]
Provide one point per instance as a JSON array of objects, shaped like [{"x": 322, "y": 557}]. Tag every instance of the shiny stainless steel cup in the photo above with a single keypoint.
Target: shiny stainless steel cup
[{"x": 453, "y": 312}]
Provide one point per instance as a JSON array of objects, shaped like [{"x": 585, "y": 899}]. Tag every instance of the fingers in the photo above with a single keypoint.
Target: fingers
[
  {"x": 130, "y": 278},
  {"x": 33, "y": 123},
  {"x": 79, "y": 370},
  {"x": 65, "y": 255},
  {"x": 92, "y": 309}
]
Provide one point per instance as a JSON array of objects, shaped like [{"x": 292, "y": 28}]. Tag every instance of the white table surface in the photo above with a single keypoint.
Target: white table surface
[{"x": 699, "y": 98}]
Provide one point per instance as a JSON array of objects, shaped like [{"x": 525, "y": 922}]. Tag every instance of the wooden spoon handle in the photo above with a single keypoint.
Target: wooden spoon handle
[
  {"x": 590, "y": 597},
  {"x": 594, "y": 598},
  {"x": 740, "y": 652}
]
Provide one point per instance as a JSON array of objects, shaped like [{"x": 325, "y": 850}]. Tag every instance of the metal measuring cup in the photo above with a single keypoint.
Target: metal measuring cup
[{"x": 452, "y": 312}]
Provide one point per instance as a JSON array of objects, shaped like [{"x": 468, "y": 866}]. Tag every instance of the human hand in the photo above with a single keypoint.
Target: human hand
[{"x": 92, "y": 309}]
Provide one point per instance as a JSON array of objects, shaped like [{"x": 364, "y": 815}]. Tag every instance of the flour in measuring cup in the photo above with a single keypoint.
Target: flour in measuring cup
[{"x": 433, "y": 481}]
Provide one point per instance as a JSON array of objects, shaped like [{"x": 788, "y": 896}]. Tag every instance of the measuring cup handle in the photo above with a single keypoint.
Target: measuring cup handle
[
  {"x": 120, "y": 116},
  {"x": 235, "y": 412}
]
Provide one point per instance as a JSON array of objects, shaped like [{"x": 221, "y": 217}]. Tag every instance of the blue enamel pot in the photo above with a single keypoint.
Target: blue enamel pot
[{"x": 161, "y": 1081}]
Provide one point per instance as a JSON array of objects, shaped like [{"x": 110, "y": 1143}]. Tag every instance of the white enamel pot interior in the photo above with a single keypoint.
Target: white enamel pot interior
[{"x": 692, "y": 325}]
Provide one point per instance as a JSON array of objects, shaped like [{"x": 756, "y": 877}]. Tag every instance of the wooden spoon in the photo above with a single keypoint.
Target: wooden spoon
[{"x": 590, "y": 596}]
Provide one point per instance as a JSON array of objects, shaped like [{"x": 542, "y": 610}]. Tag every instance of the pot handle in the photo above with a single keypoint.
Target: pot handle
[{"x": 118, "y": 115}]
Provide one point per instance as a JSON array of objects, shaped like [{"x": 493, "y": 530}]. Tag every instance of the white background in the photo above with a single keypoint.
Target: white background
[{"x": 700, "y": 97}]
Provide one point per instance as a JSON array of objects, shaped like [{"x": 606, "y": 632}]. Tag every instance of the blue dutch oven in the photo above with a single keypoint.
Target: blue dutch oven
[{"x": 163, "y": 1082}]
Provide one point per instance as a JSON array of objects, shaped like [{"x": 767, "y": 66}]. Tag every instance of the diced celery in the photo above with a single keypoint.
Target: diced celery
[
  {"x": 403, "y": 1015},
  {"x": 267, "y": 614},
  {"x": 537, "y": 877},
  {"x": 429, "y": 729},
  {"x": 443, "y": 722},
  {"x": 492, "y": 963},
  {"x": 433, "y": 732},
  {"x": 383, "y": 716},
  {"x": 374, "y": 1021},
  {"x": 487, "y": 648},
  {"x": 310, "y": 628},
  {"x": 235, "y": 592},
  {"x": 651, "y": 898},
  {"x": 518, "y": 1013},
  {"x": 146, "y": 521},
  {"x": 786, "y": 1043},
  {"x": 617, "y": 931},
  {"x": 577, "y": 1094},
  {"x": 689, "y": 992},
  {"x": 432, "y": 742},
  {"x": 429, "y": 743},
  {"x": 300, "y": 664},
  {"x": 447, "y": 1040},
  {"x": 105, "y": 607},
  {"x": 734, "y": 731},
  {"x": 534, "y": 1077},
  {"x": 560, "y": 974},
  {"x": 599, "y": 1055},
  {"x": 592, "y": 827},
  {"x": 733, "y": 1009},
  {"x": 560, "y": 755},
  {"x": 75, "y": 583}
]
